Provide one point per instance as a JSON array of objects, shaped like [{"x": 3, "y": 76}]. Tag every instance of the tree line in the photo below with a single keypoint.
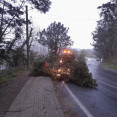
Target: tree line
[
  {"x": 13, "y": 28},
  {"x": 105, "y": 34}
]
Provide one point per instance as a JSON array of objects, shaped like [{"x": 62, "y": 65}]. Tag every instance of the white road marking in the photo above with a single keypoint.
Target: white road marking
[
  {"x": 108, "y": 84},
  {"x": 78, "y": 102}
]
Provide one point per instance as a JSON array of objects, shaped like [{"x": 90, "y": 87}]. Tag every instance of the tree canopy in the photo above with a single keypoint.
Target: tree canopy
[
  {"x": 105, "y": 35},
  {"x": 12, "y": 20},
  {"x": 55, "y": 37}
]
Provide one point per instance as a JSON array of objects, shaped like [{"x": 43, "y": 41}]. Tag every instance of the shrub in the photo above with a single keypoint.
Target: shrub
[
  {"x": 39, "y": 68},
  {"x": 46, "y": 71},
  {"x": 80, "y": 74},
  {"x": 3, "y": 80}
]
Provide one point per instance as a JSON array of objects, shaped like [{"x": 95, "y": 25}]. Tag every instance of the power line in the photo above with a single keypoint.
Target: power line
[{"x": 65, "y": 18}]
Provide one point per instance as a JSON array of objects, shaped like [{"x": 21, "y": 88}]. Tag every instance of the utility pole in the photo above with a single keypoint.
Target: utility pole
[{"x": 27, "y": 38}]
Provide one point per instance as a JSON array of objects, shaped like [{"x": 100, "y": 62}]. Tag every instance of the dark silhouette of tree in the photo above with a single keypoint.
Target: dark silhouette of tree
[
  {"x": 105, "y": 35},
  {"x": 10, "y": 12},
  {"x": 12, "y": 19},
  {"x": 55, "y": 37}
]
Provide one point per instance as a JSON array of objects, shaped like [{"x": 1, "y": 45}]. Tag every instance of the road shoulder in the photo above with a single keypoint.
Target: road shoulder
[{"x": 66, "y": 101}]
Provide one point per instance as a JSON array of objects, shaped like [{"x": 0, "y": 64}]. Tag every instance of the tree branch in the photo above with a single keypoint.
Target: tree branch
[{"x": 10, "y": 22}]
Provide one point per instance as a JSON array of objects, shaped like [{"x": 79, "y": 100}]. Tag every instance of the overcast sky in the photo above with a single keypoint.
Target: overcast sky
[{"x": 79, "y": 15}]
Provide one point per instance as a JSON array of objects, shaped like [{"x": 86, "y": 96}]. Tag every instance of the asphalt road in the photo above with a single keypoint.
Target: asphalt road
[{"x": 99, "y": 102}]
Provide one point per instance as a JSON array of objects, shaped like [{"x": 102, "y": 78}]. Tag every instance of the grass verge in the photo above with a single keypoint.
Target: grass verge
[
  {"x": 6, "y": 75},
  {"x": 110, "y": 66}
]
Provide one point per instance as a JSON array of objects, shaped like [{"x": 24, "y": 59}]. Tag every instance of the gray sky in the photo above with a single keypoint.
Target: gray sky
[{"x": 79, "y": 15}]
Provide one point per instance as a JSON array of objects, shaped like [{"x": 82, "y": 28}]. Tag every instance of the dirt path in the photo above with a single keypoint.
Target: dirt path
[{"x": 8, "y": 93}]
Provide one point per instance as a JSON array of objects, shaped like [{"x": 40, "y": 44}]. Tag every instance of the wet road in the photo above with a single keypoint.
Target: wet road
[{"x": 102, "y": 101}]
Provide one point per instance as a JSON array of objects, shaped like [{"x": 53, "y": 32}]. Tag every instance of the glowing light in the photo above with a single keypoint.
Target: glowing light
[
  {"x": 61, "y": 61},
  {"x": 68, "y": 70},
  {"x": 69, "y": 51},
  {"x": 58, "y": 75},
  {"x": 65, "y": 51},
  {"x": 59, "y": 70},
  {"x": 68, "y": 73}
]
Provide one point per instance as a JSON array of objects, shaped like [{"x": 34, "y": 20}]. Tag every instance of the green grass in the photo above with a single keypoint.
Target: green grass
[
  {"x": 110, "y": 66},
  {"x": 6, "y": 75},
  {"x": 4, "y": 80}
]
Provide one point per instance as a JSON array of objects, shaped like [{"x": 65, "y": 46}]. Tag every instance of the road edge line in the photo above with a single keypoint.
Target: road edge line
[
  {"x": 107, "y": 84},
  {"x": 78, "y": 102}
]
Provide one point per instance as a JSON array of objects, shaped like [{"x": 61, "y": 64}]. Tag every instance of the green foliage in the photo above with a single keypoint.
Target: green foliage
[
  {"x": 6, "y": 75},
  {"x": 46, "y": 71},
  {"x": 11, "y": 21},
  {"x": 52, "y": 58},
  {"x": 41, "y": 5},
  {"x": 104, "y": 36},
  {"x": 111, "y": 63},
  {"x": 110, "y": 66},
  {"x": 3, "y": 81},
  {"x": 67, "y": 59},
  {"x": 80, "y": 74},
  {"x": 55, "y": 37},
  {"x": 16, "y": 58},
  {"x": 70, "y": 69},
  {"x": 11, "y": 73},
  {"x": 10, "y": 17},
  {"x": 37, "y": 69},
  {"x": 10, "y": 11}
]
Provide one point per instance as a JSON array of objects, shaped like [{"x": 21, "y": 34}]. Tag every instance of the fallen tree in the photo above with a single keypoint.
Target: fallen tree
[{"x": 64, "y": 67}]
